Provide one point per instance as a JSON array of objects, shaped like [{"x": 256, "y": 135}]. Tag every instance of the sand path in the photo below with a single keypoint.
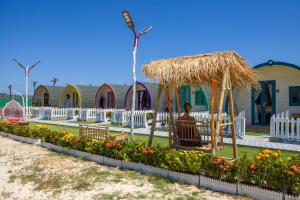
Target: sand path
[{"x": 30, "y": 172}]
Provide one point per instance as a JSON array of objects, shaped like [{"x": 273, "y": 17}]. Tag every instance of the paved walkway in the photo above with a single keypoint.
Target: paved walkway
[{"x": 251, "y": 141}]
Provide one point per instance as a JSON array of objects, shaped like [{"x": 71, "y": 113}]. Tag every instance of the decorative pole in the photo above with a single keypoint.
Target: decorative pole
[
  {"x": 34, "y": 85},
  {"x": 131, "y": 26},
  {"x": 26, "y": 70},
  {"x": 9, "y": 88}
]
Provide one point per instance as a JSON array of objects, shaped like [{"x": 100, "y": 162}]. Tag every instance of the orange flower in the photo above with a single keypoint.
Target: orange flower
[
  {"x": 265, "y": 155},
  {"x": 148, "y": 150},
  {"x": 295, "y": 169},
  {"x": 218, "y": 160},
  {"x": 253, "y": 166},
  {"x": 291, "y": 173}
]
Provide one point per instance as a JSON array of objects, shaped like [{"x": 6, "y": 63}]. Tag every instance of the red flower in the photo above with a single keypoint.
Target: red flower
[
  {"x": 291, "y": 173},
  {"x": 295, "y": 169},
  {"x": 253, "y": 166},
  {"x": 148, "y": 150},
  {"x": 218, "y": 160},
  {"x": 113, "y": 144}
]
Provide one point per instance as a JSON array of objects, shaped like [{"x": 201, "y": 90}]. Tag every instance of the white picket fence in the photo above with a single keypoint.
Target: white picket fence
[
  {"x": 139, "y": 117},
  {"x": 123, "y": 117},
  {"x": 284, "y": 127},
  {"x": 86, "y": 114},
  {"x": 118, "y": 117},
  {"x": 240, "y": 121},
  {"x": 73, "y": 113}
]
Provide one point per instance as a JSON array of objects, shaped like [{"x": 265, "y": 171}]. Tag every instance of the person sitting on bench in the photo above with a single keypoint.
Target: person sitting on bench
[{"x": 186, "y": 128}]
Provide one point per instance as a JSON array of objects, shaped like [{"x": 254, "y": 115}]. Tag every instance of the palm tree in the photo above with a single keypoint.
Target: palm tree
[
  {"x": 54, "y": 80},
  {"x": 9, "y": 88}
]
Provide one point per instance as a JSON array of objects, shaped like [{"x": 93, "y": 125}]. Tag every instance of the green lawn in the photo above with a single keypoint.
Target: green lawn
[
  {"x": 72, "y": 130},
  {"x": 256, "y": 133},
  {"x": 226, "y": 152}
]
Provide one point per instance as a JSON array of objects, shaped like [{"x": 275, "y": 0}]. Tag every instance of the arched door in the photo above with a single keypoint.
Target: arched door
[
  {"x": 201, "y": 98},
  {"x": 184, "y": 95}
]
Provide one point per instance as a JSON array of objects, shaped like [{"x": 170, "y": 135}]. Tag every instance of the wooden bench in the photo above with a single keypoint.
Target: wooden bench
[
  {"x": 99, "y": 132},
  {"x": 189, "y": 133},
  {"x": 94, "y": 132}
]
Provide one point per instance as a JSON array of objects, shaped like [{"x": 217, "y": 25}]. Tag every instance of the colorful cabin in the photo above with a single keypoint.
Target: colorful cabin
[
  {"x": 146, "y": 95},
  {"x": 111, "y": 96},
  {"x": 279, "y": 92},
  {"x": 45, "y": 95},
  {"x": 78, "y": 96}
]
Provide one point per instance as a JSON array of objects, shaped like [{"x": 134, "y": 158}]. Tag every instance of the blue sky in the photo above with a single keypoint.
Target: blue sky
[{"x": 87, "y": 41}]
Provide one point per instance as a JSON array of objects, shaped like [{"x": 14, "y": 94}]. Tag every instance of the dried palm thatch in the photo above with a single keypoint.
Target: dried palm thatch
[{"x": 202, "y": 69}]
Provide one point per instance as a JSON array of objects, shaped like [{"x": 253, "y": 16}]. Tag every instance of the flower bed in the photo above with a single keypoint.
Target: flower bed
[{"x": 267, "y": 170}]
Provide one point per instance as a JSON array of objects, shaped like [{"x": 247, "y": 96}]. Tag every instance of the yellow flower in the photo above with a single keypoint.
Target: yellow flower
[
  {"x": 266, "y": 151},
  {"x": 275, "y": 154},
  {"x": 41, "y": 126},
  {"x": 279, "y": 152},
  {"x": 259, "y": 154},
  {"x": 267, "y": 155},
  {"x": 258, "y": 157}
]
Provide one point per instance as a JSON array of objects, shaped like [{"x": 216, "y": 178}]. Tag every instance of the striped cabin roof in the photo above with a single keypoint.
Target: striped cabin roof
[{"x": 54, "y": 93}]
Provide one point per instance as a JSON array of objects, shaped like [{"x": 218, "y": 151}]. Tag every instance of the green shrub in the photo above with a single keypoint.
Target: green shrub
[
  {"x": 183, "y": 161},
  {"x": 139, "y": 152},
  {"x": 149, "y": 116},
  {"x": 219, "y": 168}
]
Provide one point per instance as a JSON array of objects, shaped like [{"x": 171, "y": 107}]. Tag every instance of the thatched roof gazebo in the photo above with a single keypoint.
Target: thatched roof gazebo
[{"x": 221, "y": 70}]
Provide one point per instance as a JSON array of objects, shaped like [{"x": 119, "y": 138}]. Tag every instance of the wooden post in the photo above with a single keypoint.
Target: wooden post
[
  {"x": 232, "y": 119},
  {"x": 212, "y": 111},
  {"x": 170, "y": 120},
  {"x": 80, "y": 129},
  {"x": 220, "y": 106},
  {"x": 177, "y": 99},
  {"x": 160, "y": 88}
]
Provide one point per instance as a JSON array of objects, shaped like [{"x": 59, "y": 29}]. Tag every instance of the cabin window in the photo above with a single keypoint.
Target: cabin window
[{"x": 294, "y": 96}]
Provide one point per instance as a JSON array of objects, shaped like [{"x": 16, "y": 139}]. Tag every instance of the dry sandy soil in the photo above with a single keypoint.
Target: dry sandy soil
[{"x": 31, "y": 172}]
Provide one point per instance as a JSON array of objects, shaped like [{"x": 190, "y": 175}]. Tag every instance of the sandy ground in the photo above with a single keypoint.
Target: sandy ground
[{"x": 31, "y": 172}]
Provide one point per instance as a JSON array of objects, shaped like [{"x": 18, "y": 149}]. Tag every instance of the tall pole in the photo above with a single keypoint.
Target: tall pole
[
  {"x": 26, "y": 70},
  {"x": 9, "y": 88},
  {"x": 26, "y": 91},
  {"x": 133, "y": 87},
  {"x": 131, "y": 26}
]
